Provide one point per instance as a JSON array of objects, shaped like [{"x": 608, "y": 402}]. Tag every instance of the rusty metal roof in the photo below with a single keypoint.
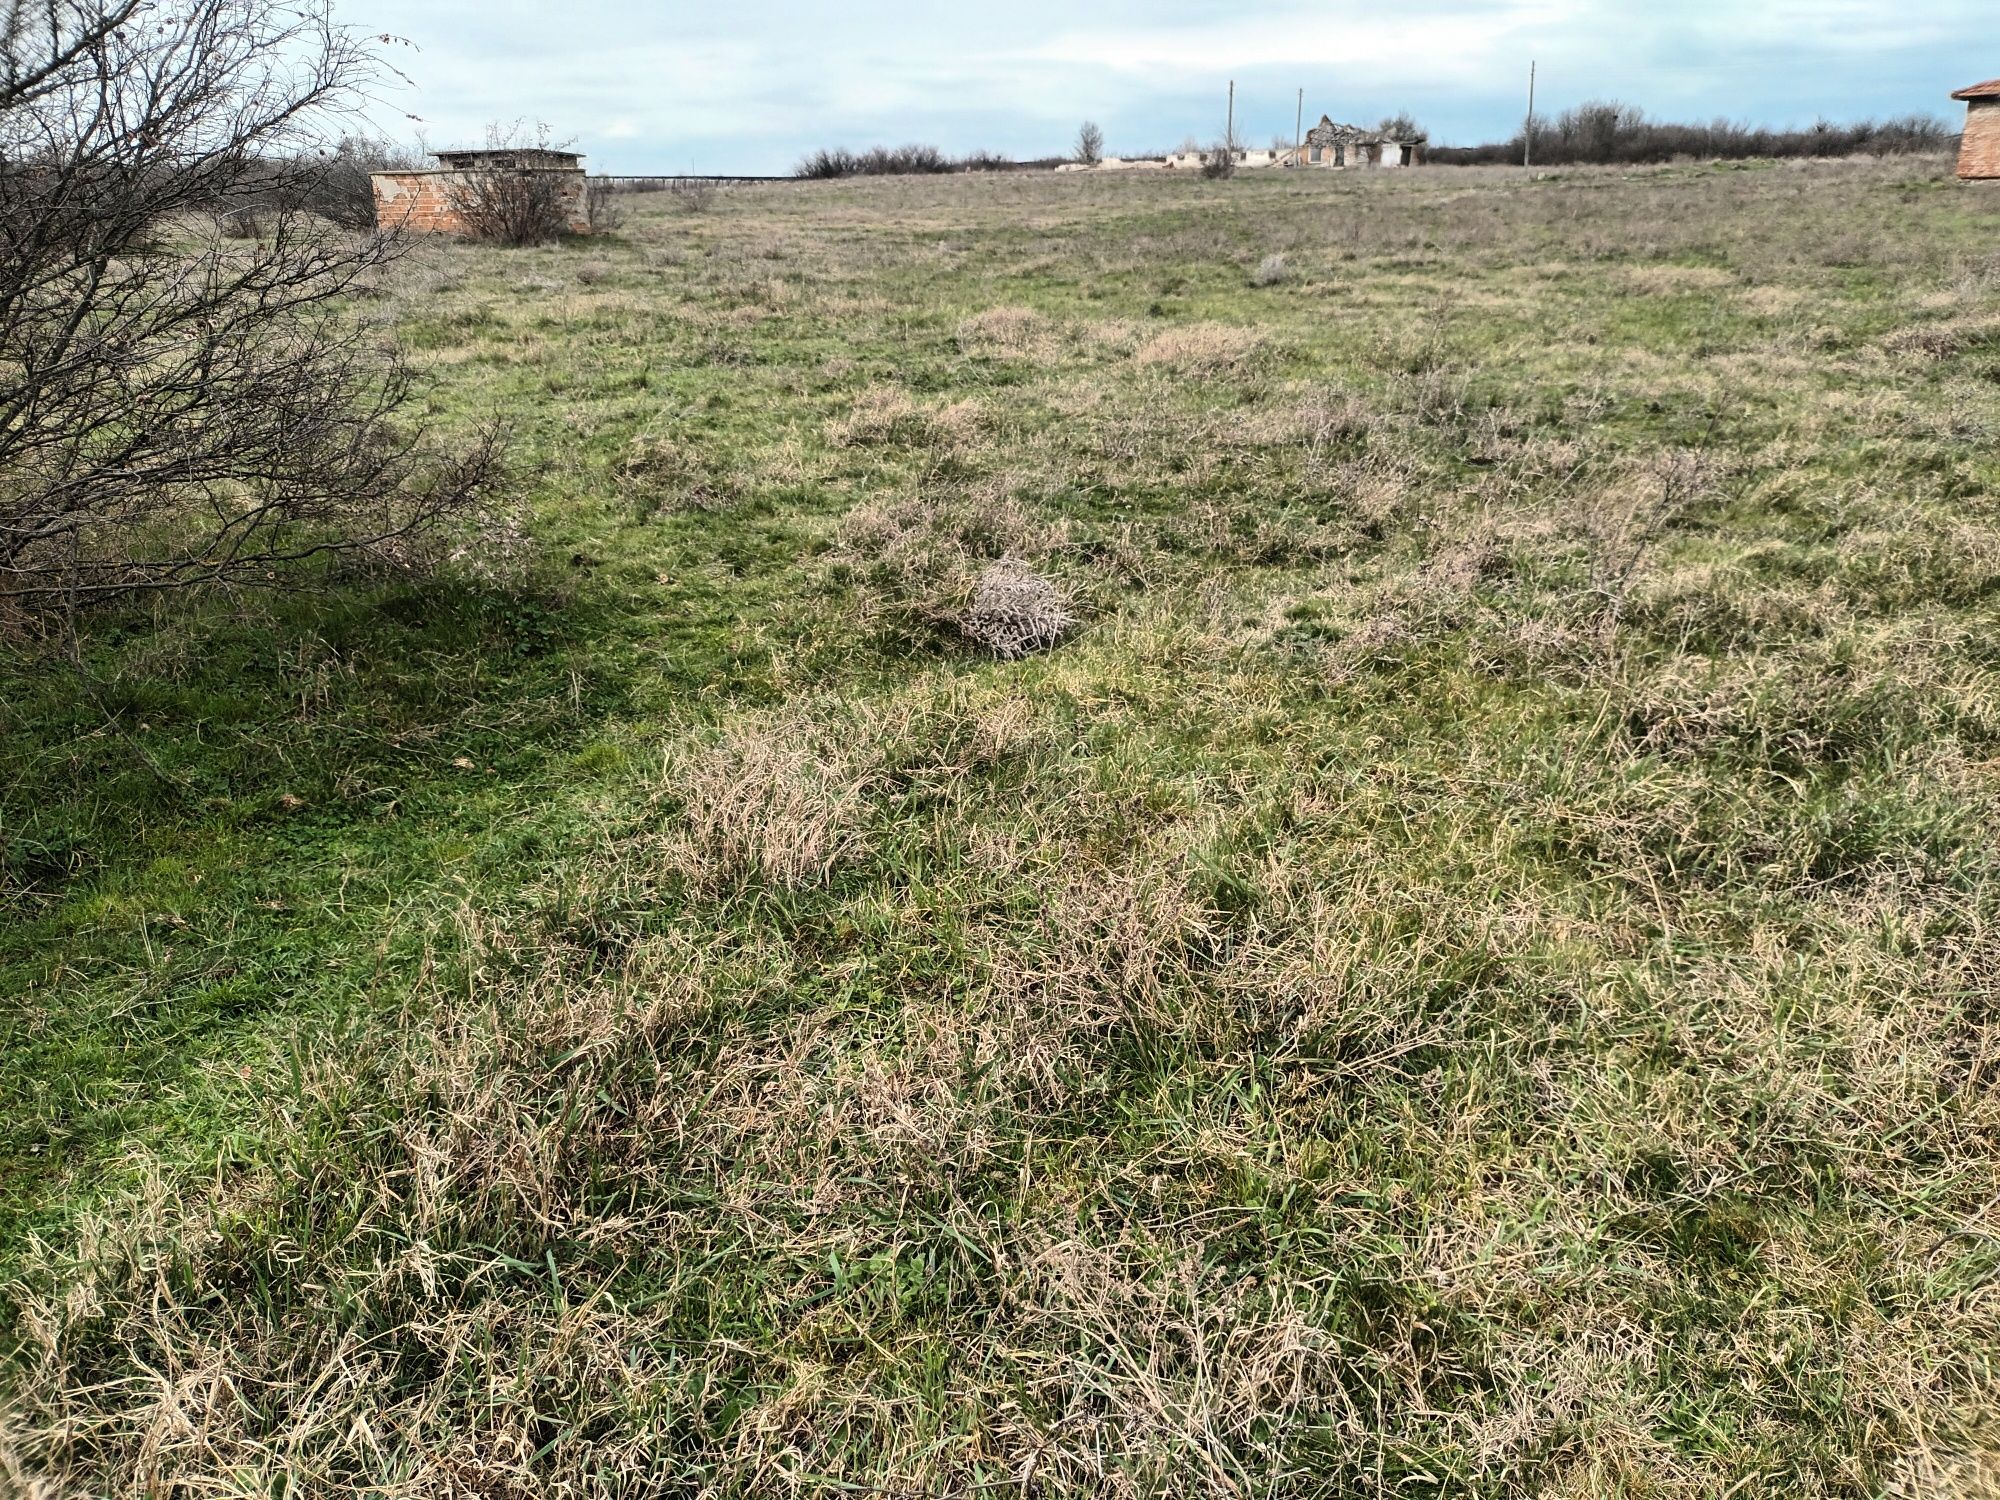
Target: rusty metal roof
[{"x": 1987, "y": 90}]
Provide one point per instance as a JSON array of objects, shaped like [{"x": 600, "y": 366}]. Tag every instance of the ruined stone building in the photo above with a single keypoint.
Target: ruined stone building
[
  {"x": 1327, "y": 145},
  {"x": 426, "y": 201},
  {"x": 1979, "y": 157},
  {"x": 1332, "y": 145}
]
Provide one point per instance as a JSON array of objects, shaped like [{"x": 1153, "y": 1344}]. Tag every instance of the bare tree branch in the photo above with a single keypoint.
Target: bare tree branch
[{"x": 177, "y": 408}]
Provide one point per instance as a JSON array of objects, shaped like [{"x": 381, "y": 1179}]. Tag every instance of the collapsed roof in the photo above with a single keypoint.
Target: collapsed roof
[{"x": 1329, "y": 133}]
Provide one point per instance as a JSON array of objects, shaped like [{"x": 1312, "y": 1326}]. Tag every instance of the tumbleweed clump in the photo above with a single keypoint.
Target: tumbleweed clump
[{"x": 1015, "y": 610}]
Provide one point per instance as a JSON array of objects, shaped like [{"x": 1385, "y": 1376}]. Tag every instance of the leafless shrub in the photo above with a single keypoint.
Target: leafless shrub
[
  {"x": 878, "y": 161},
  {"x": 691, "y": 195},
  {"x": 515, "y": 205},
  {"x": 510, "y": 206},
  {"x": 1606, "y": 131},
  {"x": 1218, "y": 162},
  {"x": 907, "y": 161},
  {"x": 333, "y": 182},
  {"x": 828, "y": 163},
  {"x": 601, "y": 209},
  {"x": 337, "y": 183},
  {"x": 178, "y": 412},
  {"x": 1089, "y": 148},
  {"x": 1015, "y": 610}
]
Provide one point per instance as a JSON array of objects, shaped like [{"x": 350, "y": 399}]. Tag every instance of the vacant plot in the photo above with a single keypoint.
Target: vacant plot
[{"x": 1047, "y": 862}]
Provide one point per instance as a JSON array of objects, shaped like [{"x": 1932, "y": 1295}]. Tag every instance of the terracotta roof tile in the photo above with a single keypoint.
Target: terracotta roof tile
[{"x": 1987, "y": 90}]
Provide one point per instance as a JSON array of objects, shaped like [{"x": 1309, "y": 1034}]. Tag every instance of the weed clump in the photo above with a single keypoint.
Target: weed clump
[
  {"x": 663, "y": 474},
  {"x": 1015, "y": 610},
  {"x": 1271, "y": 271},
  {"x": 1939, "y": 342},
  {"x": 960, "y": 566}
]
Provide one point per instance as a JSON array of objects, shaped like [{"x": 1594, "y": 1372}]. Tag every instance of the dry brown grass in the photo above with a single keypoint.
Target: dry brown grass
[
  {"x": 1010, "y": 333},
  {"x": 887, "y": 415},
  {"x": 1201, "y": 349},
  {"x": 779, "y": 796},
  {"x": 961, "y": 564}
]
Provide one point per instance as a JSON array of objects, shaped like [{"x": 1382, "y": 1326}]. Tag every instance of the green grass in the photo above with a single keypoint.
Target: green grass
[{"x": 1469, "y": 972}]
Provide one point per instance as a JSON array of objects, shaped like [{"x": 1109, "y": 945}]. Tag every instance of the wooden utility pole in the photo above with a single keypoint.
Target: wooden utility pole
[
  {"x": 1528, "y": 136},
  {"x": 1229, "y": 131},
  {"x": 1299, "y": 133}
]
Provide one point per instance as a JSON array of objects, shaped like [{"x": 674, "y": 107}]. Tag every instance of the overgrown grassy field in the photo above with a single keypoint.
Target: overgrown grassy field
[{"x": 1470, "y": 969}]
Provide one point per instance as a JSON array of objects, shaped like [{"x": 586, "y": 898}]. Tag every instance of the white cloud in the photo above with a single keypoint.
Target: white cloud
[{"x": 1444, "y": 44}]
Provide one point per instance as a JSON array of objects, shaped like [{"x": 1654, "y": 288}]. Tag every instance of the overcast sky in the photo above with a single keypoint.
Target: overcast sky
[{"x": 662, "y": 85}]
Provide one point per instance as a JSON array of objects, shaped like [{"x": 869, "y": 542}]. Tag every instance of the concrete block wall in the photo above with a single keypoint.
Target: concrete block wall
[{"x": 1980, "y": 155}]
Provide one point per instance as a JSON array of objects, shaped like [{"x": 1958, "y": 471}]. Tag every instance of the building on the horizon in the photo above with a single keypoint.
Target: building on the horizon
[
  {"x": 428, "y": 202},
  {"x": 1328, "y": 146},
  {"x": 1979, "y": 156}
]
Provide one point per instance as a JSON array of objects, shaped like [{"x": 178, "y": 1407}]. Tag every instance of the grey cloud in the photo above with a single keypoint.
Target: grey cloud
[{"x": 751, "y": 88}]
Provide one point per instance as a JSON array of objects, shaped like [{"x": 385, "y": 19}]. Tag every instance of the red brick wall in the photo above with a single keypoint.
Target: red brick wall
[
  {"x": 1980, "y": 156},
  {"x": 416, "y": 201},
  {"x": 421, "y": 202}
]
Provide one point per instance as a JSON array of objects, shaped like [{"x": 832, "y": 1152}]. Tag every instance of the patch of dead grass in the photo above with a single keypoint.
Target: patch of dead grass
[
  {"x": 1011, "y": 333},
  {"x": 1202, "y": 349},
  {"x": 780, "y": 796},
  {"x": 885, "y": 415}
]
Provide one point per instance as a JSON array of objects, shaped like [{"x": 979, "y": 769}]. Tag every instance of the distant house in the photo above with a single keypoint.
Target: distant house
[
  {"x": 1116, "y": 164},
  {"x": 1979, "y": 157},
  {"x": 1246, "y": 156},
  {"x": 427, "y": 202},
  {"x": 1333, "y": 145},
  {"x": 1327, "y": 145}
]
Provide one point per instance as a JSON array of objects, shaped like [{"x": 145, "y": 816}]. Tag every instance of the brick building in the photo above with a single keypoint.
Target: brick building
[
  {"x": 426, "y": 202},
  {"x": 1979, "y": 157}
]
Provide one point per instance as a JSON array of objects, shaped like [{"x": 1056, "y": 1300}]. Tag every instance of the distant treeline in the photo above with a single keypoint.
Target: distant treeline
[
  {"x": 1607, "y": 132},
  {"x": 1602, "y": 132},
  {"x": 908, "y": 161}
]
